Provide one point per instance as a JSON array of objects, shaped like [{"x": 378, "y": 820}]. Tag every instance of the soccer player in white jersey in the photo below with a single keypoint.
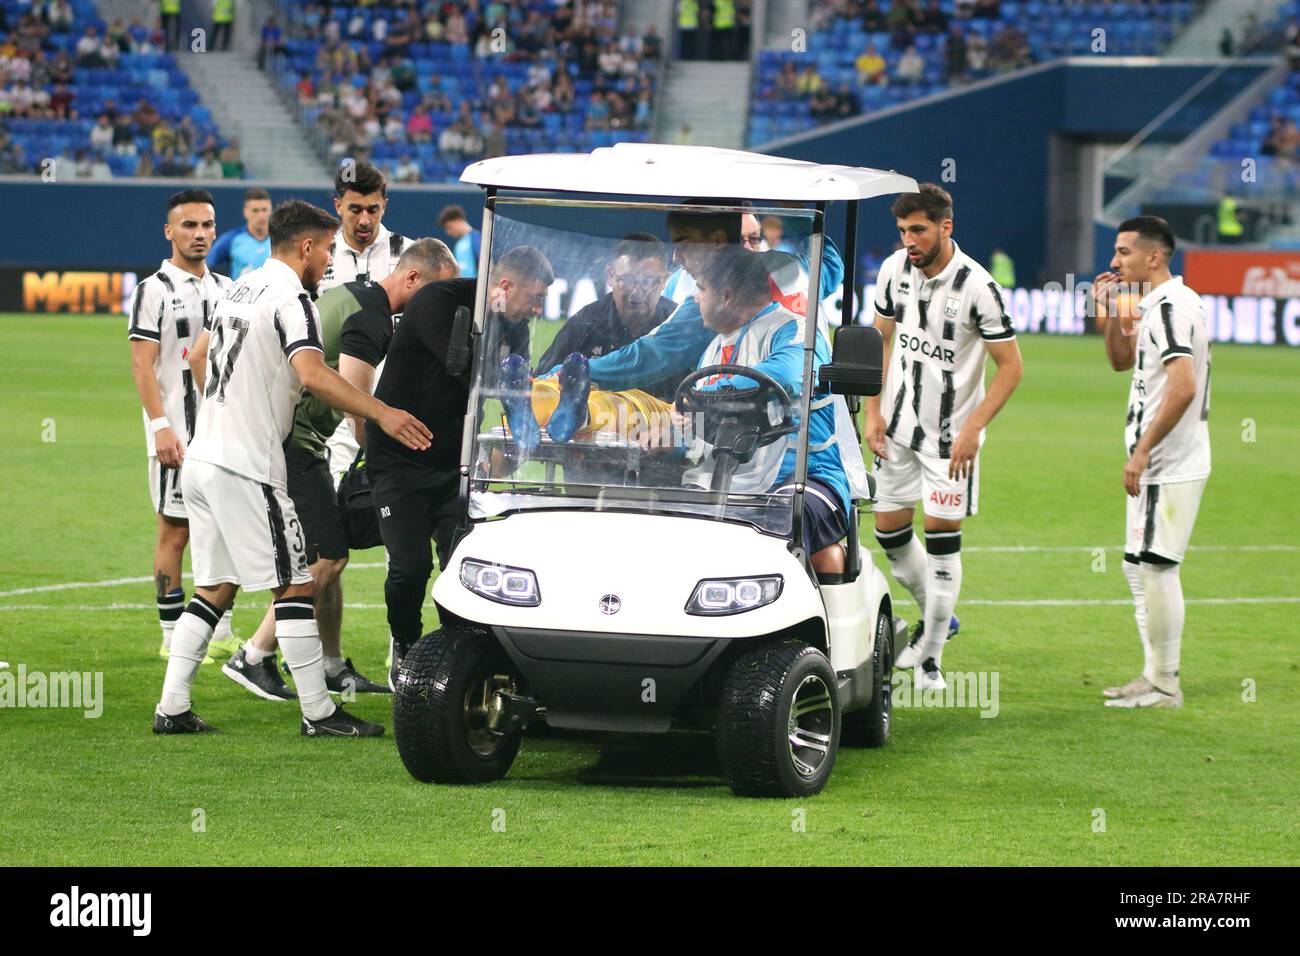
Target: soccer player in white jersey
[
  {"x": 940, "y": 314},
  {"x": 168, "y": 310},
  {"x": 264, "y": 350},
  {"x": 1167, "y": 439}
]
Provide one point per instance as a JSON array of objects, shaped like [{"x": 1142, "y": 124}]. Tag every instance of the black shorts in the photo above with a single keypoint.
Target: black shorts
[
  {"x": 824, "y": 520},
  {"x": 311, "y": 488}
]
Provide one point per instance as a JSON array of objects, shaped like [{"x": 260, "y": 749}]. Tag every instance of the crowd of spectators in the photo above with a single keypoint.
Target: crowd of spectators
[
  {"x": 714, "y": 29},
  {"x": 62, "y": 71},
  {"x": 469, "y": 77}
]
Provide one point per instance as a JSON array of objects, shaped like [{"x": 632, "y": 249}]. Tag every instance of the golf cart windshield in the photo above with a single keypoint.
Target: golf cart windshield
[{"x": 607, "y": 335}]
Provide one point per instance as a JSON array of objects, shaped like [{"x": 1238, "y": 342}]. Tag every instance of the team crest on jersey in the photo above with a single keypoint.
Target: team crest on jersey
[{"x": 952, "y": 307}]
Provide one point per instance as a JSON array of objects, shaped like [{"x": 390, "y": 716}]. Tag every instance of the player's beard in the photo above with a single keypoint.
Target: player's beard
[{"x": 928, "y": 260}]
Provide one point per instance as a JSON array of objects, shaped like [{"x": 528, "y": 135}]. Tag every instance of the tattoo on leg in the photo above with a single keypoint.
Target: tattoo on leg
[{"x": 163, "y": 582}]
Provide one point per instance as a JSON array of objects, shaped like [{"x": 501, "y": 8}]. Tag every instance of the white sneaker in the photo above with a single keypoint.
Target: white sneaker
[
  {"x": 910, "y": 656},
  {"x": 1153, "y": 698},
  {"x": 929, "y": 677},
  {"x": 1139, "y": 685}
]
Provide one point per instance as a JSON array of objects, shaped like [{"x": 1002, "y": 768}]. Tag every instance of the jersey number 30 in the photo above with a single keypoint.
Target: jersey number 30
[{"x": 219, "y": 378}]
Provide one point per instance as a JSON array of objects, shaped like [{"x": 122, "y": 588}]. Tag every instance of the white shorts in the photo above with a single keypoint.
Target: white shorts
[
  {"x": 165, "y": 490},
  {"x": 1160, "y": 519},
  {"x": 909, "y": 477},
  {"x": 241, "y": 531}
]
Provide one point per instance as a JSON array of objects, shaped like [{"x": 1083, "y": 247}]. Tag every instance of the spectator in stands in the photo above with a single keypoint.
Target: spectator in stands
[
  {"x": 145, "y": 117},
  {"x": 139, "y": 36},
  {"x": 272, "y": 41},
  {"x": 304, "y": 89},
  {"x": 209, "y": 167},
  {"x": 873, "y": 20},
  {"x": 598, "y": 112},
  {"x": 910, "y": 68},
  {"x": 117, "y": 32},
  {"x": 12, "y": 159},
  {"x": 171, "y": 164},
  {"x": 89, "y": 50},
  {"x": 988, "y": 9},
  {"x": 58, "y": 15},
  {"x": 124, "y": 136},
  {"x": 652, "y": 44},
  {"x": 1010, "y": 50},
  {"x": 61, "y": 103},
  {"x": 871, "y": 66},
  {"x": 1227, "y": 43},
  {"x": 109, "y": 52},
  {"x": 31, "y": 33},
  {"x": 1287, "y": 142},
  {"x": 494, "y": 140},
  {"x": 101, "y": 134},
  {"x": 407, "y": 170},
  {"x": 955, "y": 62},
  {"x": 809, "y": 82},
  {"x": 846, "y": 102},
  {"x": 977, "y": 54},
  {"x": 81, "y": 166},
  {"x": 61, "y": 68},
  {"x": 933, "y": 19},
  {"x": 232, "y": 164},
  {"x": 787, "y": 81},
  {"x": 644, "y": 113}
]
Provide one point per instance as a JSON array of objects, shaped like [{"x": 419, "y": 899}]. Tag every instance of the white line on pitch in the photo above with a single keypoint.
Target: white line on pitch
[
  {"x": 1011, "y": 602},
  {"x": 988, "y": 549}
]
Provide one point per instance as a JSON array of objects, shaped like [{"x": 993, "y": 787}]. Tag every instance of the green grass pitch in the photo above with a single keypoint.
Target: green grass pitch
[{"x": 1054, "y": 778}]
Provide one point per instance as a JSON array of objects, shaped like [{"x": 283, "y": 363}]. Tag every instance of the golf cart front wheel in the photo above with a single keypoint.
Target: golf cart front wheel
[
  {"x": 442, "y": 710},
  {"x": 778, "y": 721}
]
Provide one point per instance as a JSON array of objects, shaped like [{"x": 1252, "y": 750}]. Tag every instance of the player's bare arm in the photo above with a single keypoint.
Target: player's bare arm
[
  {"x": 1010, "y": 369},
  {"x": 875, "y": 430},
  {"x": 199, "y": 360},
  {"x": 360, "y": 375},
  {"x": 333, "y": 389},
  {"x": 1121, "y": 349},
  {"x": 144, "y": 353},
  {"x": 1180, "y": 392}
]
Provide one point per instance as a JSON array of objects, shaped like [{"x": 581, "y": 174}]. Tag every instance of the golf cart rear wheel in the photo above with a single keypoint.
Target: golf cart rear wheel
[
  {"x": 441, "y": 707},
  {"x": 869, "y": 727},
  {"x": 778, "y": 721}
]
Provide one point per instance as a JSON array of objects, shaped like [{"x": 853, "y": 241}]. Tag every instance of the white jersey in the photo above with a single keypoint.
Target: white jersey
[
  {"x": 171, "y": 307},
  {"x": 1172, "y": 326},
  {"x": 251, "y": 388},
  {"x": 377, "y": 261},
  {"x": 936, "y": 367},
  {"x": 680, "y": 286}
]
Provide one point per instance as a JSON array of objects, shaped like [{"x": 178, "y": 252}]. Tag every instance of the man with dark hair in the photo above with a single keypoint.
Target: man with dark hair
[
  {"x": 168, "y": 311},
  {"x": 635, "y": 274},
  {"x": 363, "y": 247},
  {"x": 415, "y": 491},
  {"x": 1167, "y": 440},
  {"x": 356, "y": 325},
  {"x": 467, "y": 239},
  {"x": 265, "y": 348},
  {"x": 244, "y": 249},
  {"x": 927, "y": 425}
]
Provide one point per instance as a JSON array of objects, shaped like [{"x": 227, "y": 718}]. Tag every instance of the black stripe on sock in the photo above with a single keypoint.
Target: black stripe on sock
[
  {"x": 943, "y": 542},
  {"x": 203, "y": 610},
  {"x": 275, "y": 519},
  {"x": 891, "y": 540},
  {"x": 1149, "y": 532},
  {"x": 293, "y": 612}
]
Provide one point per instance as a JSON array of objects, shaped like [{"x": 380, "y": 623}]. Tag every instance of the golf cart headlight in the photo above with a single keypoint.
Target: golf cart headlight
[
  {"x": 497, "y": 582},
  {"x": 734, "y": 595}
]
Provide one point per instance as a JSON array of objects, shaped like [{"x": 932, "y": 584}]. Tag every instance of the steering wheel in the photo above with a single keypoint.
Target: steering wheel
[{"x": 735, "y": 421}]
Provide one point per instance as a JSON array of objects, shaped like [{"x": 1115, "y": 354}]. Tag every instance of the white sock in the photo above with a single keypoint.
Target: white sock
[
  {"x": 1133, "y": 571},
  {"x": 906, "y": 561},
  {"x": 299, "y": 637},
  {"x": 333, "y": 666},
  {"x": 254, "y": 654},
  {"x": 170, "y": 608},
  {"x": 223, "y": 627},
  {"x": 189, "y": 646},
  {"x": 943, "y": 584},
  {"x": 1165, "y": 614}
]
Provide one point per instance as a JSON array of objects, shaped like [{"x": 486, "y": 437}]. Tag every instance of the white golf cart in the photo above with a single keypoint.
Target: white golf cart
[{"x": 597, "y": 582}]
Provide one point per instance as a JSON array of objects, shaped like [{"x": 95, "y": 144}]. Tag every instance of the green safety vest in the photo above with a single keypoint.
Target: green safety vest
[
  {"x": 1229, "y": 225},
  {"x": 223, "y": 11},
  {"x": 688, "y": 15},
  {"x": 1003, "y": 270},
  {"x": 171, "y": 6},
  {"x": 724, "y": 14}
]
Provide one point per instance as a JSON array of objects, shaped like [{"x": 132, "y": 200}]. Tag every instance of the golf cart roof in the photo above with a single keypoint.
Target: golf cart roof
[{"x": 650, "y": 169}]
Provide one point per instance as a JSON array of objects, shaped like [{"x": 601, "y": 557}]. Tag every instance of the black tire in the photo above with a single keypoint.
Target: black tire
[
  {"x": 869, "y": 726},
  {"x": 755, "y": 746},
  {"x": 438, "y": 738}
]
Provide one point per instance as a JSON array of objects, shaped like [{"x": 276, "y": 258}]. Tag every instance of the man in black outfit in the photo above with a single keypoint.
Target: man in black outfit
[
  {"x": 632, "y": 308},
  {"x": 415, "y": 493}
]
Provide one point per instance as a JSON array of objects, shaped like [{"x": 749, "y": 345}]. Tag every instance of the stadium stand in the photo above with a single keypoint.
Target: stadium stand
[
  {"x": 866, "y": 55},
  {"x": 421, "y": 94},
  {"x": 100, "y": 97}
]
